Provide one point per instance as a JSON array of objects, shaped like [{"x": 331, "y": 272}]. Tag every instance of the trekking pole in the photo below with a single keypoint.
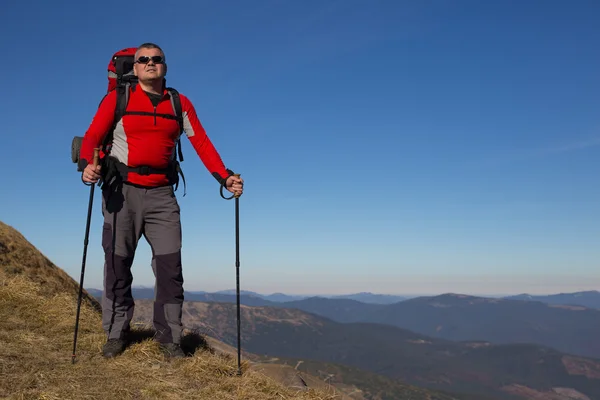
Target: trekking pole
[
  {"x": 237, "y": 273},
  {"x": 85, "y": 243},
  {"x": 237, "y": 276}
]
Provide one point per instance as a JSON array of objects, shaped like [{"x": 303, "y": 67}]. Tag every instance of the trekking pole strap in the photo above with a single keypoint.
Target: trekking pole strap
[
  {"x": 223, "y": 185},
  {"x": 226, "y": 198}
]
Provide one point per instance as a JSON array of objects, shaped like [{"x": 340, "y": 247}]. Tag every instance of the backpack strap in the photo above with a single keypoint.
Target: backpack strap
[
  {"x": 176, "y": 103},
  {"x": 122, "y": 100}
]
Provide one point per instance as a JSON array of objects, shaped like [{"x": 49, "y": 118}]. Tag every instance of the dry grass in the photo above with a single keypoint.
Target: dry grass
[
  {"x": 36, "y": 340},
  {"x": 18, "y": 257}
]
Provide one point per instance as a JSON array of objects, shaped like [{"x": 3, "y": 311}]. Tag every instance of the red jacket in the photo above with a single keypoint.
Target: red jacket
[{"x": 149, "y": 140}]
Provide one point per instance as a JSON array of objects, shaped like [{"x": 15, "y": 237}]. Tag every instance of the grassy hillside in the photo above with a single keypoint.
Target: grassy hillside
[
  {"x": 37, "y": 316},
  {"x": 18, "y": 257},
  {"x": 36, "y": 334}
]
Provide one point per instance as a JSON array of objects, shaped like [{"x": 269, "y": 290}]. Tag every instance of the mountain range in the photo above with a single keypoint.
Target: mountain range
[
  {"x": 478, "y": 369},
  {"x": 589, "y": 299},
  {"x": 572, "y": 329},
  {"x": 254, "y": 298}
]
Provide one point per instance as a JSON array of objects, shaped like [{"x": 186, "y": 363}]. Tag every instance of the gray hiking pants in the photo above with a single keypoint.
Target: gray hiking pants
[{"x": 130, "y": 212}]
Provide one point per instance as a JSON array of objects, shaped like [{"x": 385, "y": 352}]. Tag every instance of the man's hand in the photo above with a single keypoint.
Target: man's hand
[
  {"x": 91, "y": 174},
  {"x": 235, "y": 185}
]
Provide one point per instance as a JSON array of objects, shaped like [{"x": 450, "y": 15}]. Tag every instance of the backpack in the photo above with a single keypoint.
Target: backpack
[{"x": 120, "y": 79}]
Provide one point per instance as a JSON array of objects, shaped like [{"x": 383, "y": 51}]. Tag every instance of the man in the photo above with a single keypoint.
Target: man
[{"x": 141, "y": 201}]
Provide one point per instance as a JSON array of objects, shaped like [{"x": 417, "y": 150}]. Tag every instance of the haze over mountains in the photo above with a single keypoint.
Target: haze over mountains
[
  {"x": 366, "y": 297},
  {"x": 590, "y": 299}
]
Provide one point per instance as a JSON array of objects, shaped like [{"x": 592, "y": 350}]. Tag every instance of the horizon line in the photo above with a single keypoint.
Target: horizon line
[{"x": 425, "y": 294}]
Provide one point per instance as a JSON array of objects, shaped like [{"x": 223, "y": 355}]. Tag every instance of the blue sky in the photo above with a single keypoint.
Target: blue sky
[{"x": 387, "y": 146}]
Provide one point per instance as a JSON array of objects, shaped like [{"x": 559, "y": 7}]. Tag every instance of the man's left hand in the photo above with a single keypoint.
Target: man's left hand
[{"x": 235, "y": 185}]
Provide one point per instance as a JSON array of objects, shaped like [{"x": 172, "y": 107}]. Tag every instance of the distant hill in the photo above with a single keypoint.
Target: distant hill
[
  {"x": 340, "y": 310},
  {"x": 281, "y": 297},
  {"x": 364, "y": 297},
  {"x": 372, "y": 298},
  {"x": 275, "y": 297},
  {"x": 478, "y": 369},
  {"x": 571, "y": 329},
  {"x": 148, "y": 294},
  {"x": 252, "y": 298},
  {"x": 590, "y": 299},
  {"x": 215, "y": 297}
]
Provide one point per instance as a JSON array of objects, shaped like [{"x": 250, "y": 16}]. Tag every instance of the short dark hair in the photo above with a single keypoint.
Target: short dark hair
[{"x": 149, "y": 45}]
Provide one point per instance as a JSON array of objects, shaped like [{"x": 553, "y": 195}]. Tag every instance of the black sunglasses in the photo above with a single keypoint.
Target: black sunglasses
[{"x": 146, "y": 60}]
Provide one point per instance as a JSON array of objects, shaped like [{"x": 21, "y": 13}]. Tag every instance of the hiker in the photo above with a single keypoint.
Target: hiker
[{"x": 138, "y": 197}]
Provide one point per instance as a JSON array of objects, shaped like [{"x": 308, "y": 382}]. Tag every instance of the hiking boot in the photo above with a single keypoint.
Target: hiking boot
[
  {"x": 171, "y": 350},
  {"x": 113, "y": 347}
]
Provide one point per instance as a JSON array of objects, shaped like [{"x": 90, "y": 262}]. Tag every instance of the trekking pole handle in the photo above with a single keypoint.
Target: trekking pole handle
[
  {"x": 236, "y": 195},
  {"x": 96, "y": 156}
]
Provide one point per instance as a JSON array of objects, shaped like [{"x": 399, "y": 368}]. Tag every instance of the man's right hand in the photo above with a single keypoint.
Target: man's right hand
[{"x": 91, "y": 174}]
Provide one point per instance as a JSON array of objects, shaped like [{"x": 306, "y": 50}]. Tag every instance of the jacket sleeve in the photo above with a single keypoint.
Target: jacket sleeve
[
  {"x": 101, "y": 124},
  {"x": 201, "y": 142}
]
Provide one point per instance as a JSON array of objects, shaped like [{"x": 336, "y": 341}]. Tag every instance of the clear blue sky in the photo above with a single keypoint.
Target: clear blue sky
[{"x": 387, "y": 146}]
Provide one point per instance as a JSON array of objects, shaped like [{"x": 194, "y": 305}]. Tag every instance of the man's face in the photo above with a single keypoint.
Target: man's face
[{"x": 147, "y": 69}]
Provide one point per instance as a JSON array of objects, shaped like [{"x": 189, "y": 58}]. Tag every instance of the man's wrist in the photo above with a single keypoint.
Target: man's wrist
[
  {"x": 230, "y": 173},
  {"x": 82, "y": 164},
  {"x": 220, "y": 179}
]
